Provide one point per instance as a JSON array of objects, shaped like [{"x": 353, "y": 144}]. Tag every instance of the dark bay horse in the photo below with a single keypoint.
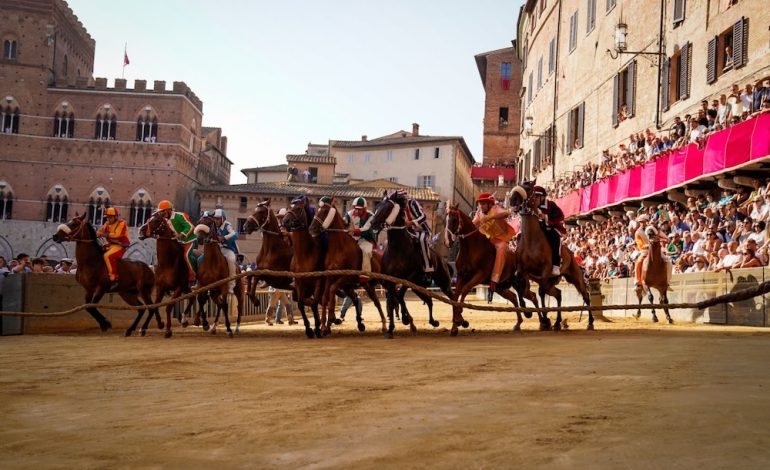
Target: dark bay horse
[
  {"x": 135, "y": 279},
  {"x": 212, "y": 269},
  {"x": 475, "y": 262},
  {"x": 655, "y": 275},
  {"x": 171, "y": 272},
  {"x": 533, "y": 258},
  {"x": 308, "y": 256},
  {"x": 343, "y": 253},
  {"x": 403, "y": 259}
]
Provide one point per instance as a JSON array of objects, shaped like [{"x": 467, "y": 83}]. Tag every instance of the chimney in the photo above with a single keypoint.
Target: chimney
[
  {"x": 415, "y": 129},
  {"x": 364, "y": 138}
]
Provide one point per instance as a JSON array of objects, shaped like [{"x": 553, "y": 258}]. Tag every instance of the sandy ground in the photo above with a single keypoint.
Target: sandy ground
[{"x": 629, "y": 395}]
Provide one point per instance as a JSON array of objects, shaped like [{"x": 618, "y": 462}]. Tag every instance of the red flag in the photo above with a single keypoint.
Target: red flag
[{"x": 125, "y": 59}]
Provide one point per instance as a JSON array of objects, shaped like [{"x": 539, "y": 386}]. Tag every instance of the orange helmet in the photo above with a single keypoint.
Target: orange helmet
[
  {"x": 164, "y": 204},
  {"x": 110, "y": 212}
]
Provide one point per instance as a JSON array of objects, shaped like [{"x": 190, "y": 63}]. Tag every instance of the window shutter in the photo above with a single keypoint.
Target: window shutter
[
  {"x": 739, "y": 43},
  {"x": 568, "y": 140},
  {"x": 631, "y": 91},
  {"x": 615, "y": 100},
  {"x": 711, "y": 66},
  {"x": 551, "y": 56},
  {"x": 678, "y": 11},
  {"x": 581, "y": 116},
  {"x": 666, "y": 83},
  {"x": 684, "y": 71}
]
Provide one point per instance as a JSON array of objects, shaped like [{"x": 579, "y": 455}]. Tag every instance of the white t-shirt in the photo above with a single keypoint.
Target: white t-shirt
[
  {"x": 758, "y": 237},
  {"x": 730, "y": 260},
  {"x": 699, "y": 247},
  {"x": 697, "y": 133},
  {"x": 746, "y": 100}
]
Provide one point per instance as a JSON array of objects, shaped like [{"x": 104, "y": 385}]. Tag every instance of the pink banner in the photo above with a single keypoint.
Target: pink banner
[
  {"x": 635, "y": 181},
  {"x": 648, "y": 178},
  {"x": 739, "y": 145},
  {"x": 760, "y": 140},
  {"x": 621, "y": 188},
  {"x": 693, "y": 162},
  {"x": 603, "y": 198},
  {"x": 570, "y": 204},
  {"x": 676, "y": 167},
  {"x": 661, "y": 172},
  {"x": 714, "y": 156},
  {"x": 585, "y": 198}
]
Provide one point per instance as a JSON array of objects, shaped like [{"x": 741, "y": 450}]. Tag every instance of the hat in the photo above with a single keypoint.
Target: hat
[
  {"x": 324, "y": 200},
  {"x": 643, "y": 217},
  {"x": 219, "y": 214},
  {"x": 67, "y": 260},
  {"x": 111, "y": 212},
  {"x": 297, "y": 199},
  {"x": 359, "y": 203},
  {"x": 485, "y": 197},
  {"x": 538, "y": 190},
  {"x": 164, "y": 204}
]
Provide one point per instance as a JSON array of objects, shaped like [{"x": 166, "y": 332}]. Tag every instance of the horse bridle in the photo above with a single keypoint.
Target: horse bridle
[
  {"x": 155, "y": 231},
  {"x": 321, "y": 223},
  {"x": 460, "y": 236},
  {"x": 295, "y": 218},
  {"x": 71, "y": 234},
  {"x": 261, "y": 227},
  {"x": 386, "y": 226}
]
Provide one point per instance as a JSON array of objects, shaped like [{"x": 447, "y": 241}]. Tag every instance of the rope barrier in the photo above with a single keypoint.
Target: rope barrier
[{"x": 736, "y": 296}]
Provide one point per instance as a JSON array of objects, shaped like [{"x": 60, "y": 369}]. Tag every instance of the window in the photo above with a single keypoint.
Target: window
[
  {"x": 389, "y": 155},
  {"x": 552, "y": 56},
  {"x": 539, "y": 74},
  {"x": 241, "y": 224},
  {"x": 64, "y": 125},
  {"x": 436, "y": 152},
  {"x": 147, "y": 129},
  {"x": 590, "y": 16},
  {"x": 9, "y": 49},
  {"x": 679, "y": 7},
  {"x": 352, "y": 158},
  {"x": 416, "y": 154},
  {"x": 525, "y": 50},
  {"x": 106, "y": 127},
  {"x": 575, "y": 120},
  {"x": 140, "y": 209},
  {"x": 542, "y": 5},
  {"x": 6, "y": 201},
  {"x": 65, "y": 67},
  {"x": 503, "y": 117},
  {"x": 367, "y": 158},
  {"x": 624, "y": 94},
  {"x": 505, "y": 75},
  {"x": 9, "y": 118},
  {"x": 610, "y": 5},
  {"x": 727, "y": 51},
  {"x": 244, "y": 202},
  {"x": 57, "y": 204},
  {"x": 529, "y": 88},
  {"x": 313, "y": 174},
  {"x": 573, "y": 27},
  {"x": 676, "y": 76},
  {"x": 425, "y": 181},
  {"x": 96, "y": 209}
]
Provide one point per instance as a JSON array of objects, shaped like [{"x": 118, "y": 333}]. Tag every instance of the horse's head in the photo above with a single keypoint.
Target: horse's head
[
  {"x": 454, "y": 221},
  {"x": 75, "y": 230},
  {"x": 156, "y": 227},
  {"x": 295, "y": 218},
  {"x": 521, "y": 198},
  {"x": 206, "y": 228},
  {"x": 259, "y": 219},
  {"x": 325, "y": 218},
  {"x": 389, "y": 212}
]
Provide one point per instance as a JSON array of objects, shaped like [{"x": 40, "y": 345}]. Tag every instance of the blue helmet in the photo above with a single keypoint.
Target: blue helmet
[{"x": 299, "y": 198}]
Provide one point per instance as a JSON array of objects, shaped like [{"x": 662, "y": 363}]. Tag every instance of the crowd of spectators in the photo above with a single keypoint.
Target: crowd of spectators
[
  {"x": 642, "y": 147},
  {"x": 710, "y": 233}
]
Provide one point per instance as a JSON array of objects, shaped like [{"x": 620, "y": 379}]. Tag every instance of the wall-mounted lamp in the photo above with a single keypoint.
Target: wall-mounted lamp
[
  {"x": 621, "y": 43},
  {"x": 529, "y": 126},
  {"x": 65, "y": 104},
  {"x": 9, "y": 99},
  {"x": 107, "y": 107}
]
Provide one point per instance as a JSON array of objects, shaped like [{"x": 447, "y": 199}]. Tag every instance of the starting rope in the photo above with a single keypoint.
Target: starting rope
[{"x": 736, "y": 296}]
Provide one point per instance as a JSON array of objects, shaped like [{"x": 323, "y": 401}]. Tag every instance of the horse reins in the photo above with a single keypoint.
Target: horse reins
[
  {"x": 261, "y": 227},
  {"x": 461, "y": 236}
]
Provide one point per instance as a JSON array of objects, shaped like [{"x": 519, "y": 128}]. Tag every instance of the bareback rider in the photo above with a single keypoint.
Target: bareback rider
[
  {"x": 359, "y": 223},
  {"x": 642, "y": 238},
  {"x": 417, "y": 221},
  {"x": 553, "y": 218},
  {"x": 115, "y": 232},
  {"x": 227, "y": 237},
  {"x": 491, "y": 220},
  {"x": 180, "y": 224}
]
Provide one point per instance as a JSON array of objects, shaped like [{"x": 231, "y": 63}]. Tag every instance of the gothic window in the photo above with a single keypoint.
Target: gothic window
[
  {"x": 6, "y": 201},
  {"x": 99, "y": 200},
  {"x": 106, "y": 125},
  {"x": 140, "y": 209},
  {"x": 57, "y": 204},
  {"x": 9, "y": 118},
  {"x": 10, "y": 47},
  {"x": 64, "y": 124},
  {"x": 147, "y": 126}
]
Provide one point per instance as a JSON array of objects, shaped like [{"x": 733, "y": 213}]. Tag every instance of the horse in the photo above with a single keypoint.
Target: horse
[
  {"x": 135, "y": 279},
  {"x": 475, "y": 262},
  {"x": 343, "y": 253},
  {"x": 403, "y": 259},
  {"x": 655, "y": 275},
  {"x": 275, "y": 253},
  {"x": 533, "y": 256},
  {"x": 308, "y": 256},
  {"x": 212, "y": 269},
  {"x": 171, "y": 272}
]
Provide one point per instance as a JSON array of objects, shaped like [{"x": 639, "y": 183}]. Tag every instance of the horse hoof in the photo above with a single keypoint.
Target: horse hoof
[
  {"x": 654, "y": 319},
  {"x": 185, "y": 324},
  {"x": 361, "y": 327},
  {"x": 412, "y": 328},
  {"x": 237, "y": 330},
  {"x": 168, "y": 334},
  {"x": 105, "y": 326},
  {"x": 453, "y": 331},
  {"x": 465, "y": 324},
  {"x": 590, "y": 327},
  {"x": 143, "y": 332},
  {"x": 337, "y": 321},
  {"x": 670, "y": 321},
  {"x": 206, "y": 327},
  {"x": 161, "y": 325},
  {"x": 213, "y": 331},
  {"x": 556, "y": 326},
  {"x": 309, "y": 333},
  {"x": 230, "y": 334},
  {"x": 434, "y": 323},
  {"x": 528, "y": 314},
  {"x": 318, "y": 333},
  {"x": 388, "y": 335},
  {"x": 128, "y": 333},
  {"x": 517, "y": 328},
  {"x": 637, "y": 315},
  {"x": 404, "y": 319}
]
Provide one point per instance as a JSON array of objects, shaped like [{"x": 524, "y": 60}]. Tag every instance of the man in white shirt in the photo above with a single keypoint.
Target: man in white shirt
[
  {"x": 696, "y": 131},
  {"x": 747, "y": 98},
  {"x": 760, "y": 209},
  {"x": 733, "y": 257}
]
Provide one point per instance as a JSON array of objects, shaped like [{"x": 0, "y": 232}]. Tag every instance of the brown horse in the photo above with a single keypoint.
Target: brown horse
[
  {"x": 308, "y": 257},
  {"x": 275, "y": 253},
  {"x": 212, "y": 269},
  {"x": 343, "y": 253},
  {"x": 655, "y": 275},
  {"x": 533, "y": 256},
  {"x": 403, "y": 259},
  {"x": 475, "y": 262},
  {"x": 135, "y": 279}
]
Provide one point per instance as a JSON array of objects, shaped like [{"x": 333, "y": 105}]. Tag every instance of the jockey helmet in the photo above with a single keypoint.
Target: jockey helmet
[
  {"x": 324, "y": 200},
  {"x": 164, "y": 204},
  {"x": 298, "y": 199},
  {"x": 220, "y": 214},
  {"x": 110, "y": 212},
  {"x": 485, "y": 197},
  {"x": 539, "y": 190},
  {"x": 359, "y": 203}
]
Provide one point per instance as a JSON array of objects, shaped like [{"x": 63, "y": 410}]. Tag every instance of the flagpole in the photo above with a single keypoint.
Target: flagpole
[{"x": 125, "y": 51}]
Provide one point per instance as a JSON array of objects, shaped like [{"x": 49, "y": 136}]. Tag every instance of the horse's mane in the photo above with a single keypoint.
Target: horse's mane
[{"x": 92, "y": 234}]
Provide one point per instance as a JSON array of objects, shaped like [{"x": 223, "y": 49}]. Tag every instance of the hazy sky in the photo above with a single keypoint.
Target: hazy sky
[{"x": 276, "y": 75}]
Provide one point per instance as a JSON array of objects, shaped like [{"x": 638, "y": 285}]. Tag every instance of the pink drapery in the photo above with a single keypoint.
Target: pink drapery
[{"x": 724, "y": 150}]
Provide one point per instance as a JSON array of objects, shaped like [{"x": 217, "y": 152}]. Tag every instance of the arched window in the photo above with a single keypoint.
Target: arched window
[
  {"x": 57, "y": 204},
  {"x": 140, "y": 209},
  {"x": 6, "y": 201},
  {"x": 9, "y": 49},
  {"x": 147, "y": 126},
  {"x": 9, "y": 117},
  {"x": 106, "y": 124},
  {"x": 65, "y": 67},
  {"x": 64, "y": 124},
  {"x": 98, "y": 201}
]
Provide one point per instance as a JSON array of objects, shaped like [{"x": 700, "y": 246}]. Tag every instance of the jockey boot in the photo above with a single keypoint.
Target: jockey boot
[
  {"x": 491, "y": 291},
  {"x": 114, "y": 286}
]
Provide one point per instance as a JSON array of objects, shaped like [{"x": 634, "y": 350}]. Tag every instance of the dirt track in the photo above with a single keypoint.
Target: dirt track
[{"x": 629, "y": 395}]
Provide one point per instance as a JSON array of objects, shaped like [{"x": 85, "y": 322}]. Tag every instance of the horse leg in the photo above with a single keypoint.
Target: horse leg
[
  {"x": 218, "y": 302},
  {"x": 652, "y": 299},
  {"x": 187, "y": 311},
  {"x": 317, "y": 320},
  {"x": 554, "y": 292},
  {"x": 391, "y": 302},
  {"x": 94, "y": 297},
  {"x": 201, "y": 317},
  {"x": 461, "y": 290},
  {"x": 308, "y": 331},
  {"x": 513, "y": 298},
  {"x": 401, "y": 306},
  {"x": 664, "y": 300},
  {"x": 133, "y": 300},
  {"x": 429, "y": 302},
  {"x": 227, "y": 298},
  {"x": 639, "y": 297},
  {"x": 238, "y": 309},
  {"x": 545, "y": 322}
]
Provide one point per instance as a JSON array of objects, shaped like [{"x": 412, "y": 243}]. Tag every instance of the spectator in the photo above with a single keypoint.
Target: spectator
[
  {"x": 37, "y": 265},
  {"x": 23, "y": 264},
  {"x": 66, "y": 266}
]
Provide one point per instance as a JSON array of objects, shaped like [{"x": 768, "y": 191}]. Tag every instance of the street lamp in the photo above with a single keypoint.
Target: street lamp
[
  {"x": 529, "y": 126},
  {"x": 621, "y": 43}
]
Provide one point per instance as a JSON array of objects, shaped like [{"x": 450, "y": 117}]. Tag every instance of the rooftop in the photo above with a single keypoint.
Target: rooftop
[
  {"x": 280, "y": 168},
  {"x": 403, "y": 138},
  {"x": 304, "y": 158}
]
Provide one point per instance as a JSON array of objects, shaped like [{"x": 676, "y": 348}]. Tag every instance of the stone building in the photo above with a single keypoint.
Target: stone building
[
  {"x": 581, "y": 96},
  {"x": 71, "y": 143},
  {"x": 500, "y": 73}
]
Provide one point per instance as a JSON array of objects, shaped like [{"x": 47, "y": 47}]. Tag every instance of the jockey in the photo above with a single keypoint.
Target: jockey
[
  {"x": 227, "y": 236},
  {"x": 116, "y": 233},
  {"x": 180, "y": 224},
  {"x": 642, "y": 238},
  {"x": 359, "y": 222},
  {"x": 303, "y": 201},
  {"x": 492, "y": 222},
  {"x": 415, "y": 216},
  {"x": 553, "y": 217}
]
